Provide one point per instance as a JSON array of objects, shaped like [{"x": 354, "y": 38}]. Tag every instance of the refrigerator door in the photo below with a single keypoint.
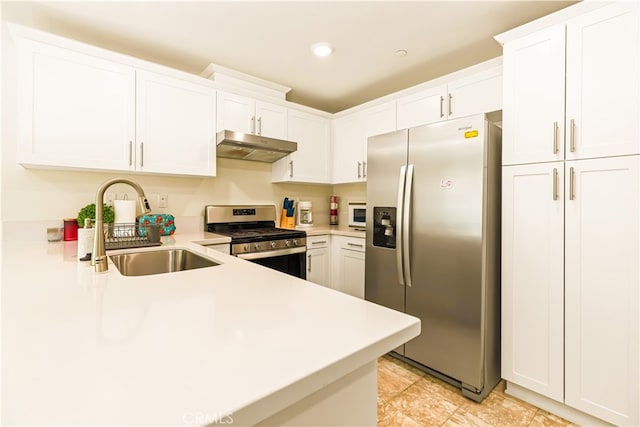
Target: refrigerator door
[
  {"x": 386, "y": 156},
  {"x": 446, "y": 224}
]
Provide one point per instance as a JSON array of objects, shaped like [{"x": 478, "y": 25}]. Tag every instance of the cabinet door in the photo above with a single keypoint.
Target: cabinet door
[
  {"x": 175, "y": 126},
  {"x": 74, "y": 110},
  {"x": 310, "y": 162},
  {"x": 377, "y": 120},
  {"x": 422, "y": 108},
  {"x": 532, "y": 277},
  {"x": 318, "y": 266},
  {"x": 353, "y": 272},
  {"x": 479, "y": 93},
  {"x": 533, "y": 92},
  {"x": 236, "y": 113},
  {"x": 603, "y": 57},
  {"x": 347, "y": 148},
  {"x": 601, "y": 288},
  {"x": 271, "y": 120}
]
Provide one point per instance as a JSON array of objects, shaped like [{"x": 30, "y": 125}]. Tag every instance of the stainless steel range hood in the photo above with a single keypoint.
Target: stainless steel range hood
[{"x": 245, "y": 146}]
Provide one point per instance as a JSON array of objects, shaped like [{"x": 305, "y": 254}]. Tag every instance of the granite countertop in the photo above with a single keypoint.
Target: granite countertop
[
  {"x": 340, "y": 230},
  {"x": 83, "y": 348}
]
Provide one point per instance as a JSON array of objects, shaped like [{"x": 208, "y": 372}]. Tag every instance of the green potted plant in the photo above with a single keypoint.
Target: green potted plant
[{"x": 89, "y": 212}]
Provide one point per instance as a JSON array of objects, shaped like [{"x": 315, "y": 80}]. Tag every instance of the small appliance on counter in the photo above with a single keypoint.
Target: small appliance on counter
[
  {"x": 305, "y": 214},
  {"x": 333, "y": 210},
  {"x": 357, "y": 214}
]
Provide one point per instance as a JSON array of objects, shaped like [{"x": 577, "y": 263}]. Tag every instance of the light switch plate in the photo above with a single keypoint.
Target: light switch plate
[{"x": 163, "y": 201}]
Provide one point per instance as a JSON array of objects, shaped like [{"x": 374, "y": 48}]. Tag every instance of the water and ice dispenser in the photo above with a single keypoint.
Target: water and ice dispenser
[{"x": 384, "y": 227}]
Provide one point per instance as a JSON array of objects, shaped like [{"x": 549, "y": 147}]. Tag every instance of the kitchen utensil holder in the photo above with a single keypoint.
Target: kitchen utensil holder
[{"x": 130, "y": 235}]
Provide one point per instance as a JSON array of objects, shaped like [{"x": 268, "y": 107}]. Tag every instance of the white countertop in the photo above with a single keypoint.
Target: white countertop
[
  {"x": 80, "y": 348},
  {"x": 340, "y": 230}
]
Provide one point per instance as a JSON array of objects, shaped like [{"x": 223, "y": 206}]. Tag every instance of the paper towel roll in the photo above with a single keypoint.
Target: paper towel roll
[
  {"x": 85, "y": 241},
  {"x": 125, "y": 211}
]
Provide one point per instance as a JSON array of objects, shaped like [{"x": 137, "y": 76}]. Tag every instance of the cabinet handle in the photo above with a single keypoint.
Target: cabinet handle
[
  {"x": 291, "y": 169},
  {"x": 259, "y": 125},
  {"x": 309, "y": 263},
  {"x": 130, "y": 153},
  {"x": 555, "y": 137},
  {"x": 253, "y": 125},
  {"x": 572, "y": 185},
  {"x": 357, "y": 245},
  {"x": 319, "y": 242},
  {"x": 141, "y": 154},
  {"x": 364, "y": 169},
  {"x": 359, "y": 173},
  {"x": 572, "y": 144},
  {"x": 555, "y": 184},
  {"x": 450, "y": 102},
  {"x": 441, "y": 106}
]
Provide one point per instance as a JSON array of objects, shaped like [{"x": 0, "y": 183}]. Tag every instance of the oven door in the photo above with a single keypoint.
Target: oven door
[{"x": 292, "y": 261}]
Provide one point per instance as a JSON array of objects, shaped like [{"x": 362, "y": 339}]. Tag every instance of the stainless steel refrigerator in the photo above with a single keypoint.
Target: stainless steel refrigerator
[{"x": 433, "y": 244}]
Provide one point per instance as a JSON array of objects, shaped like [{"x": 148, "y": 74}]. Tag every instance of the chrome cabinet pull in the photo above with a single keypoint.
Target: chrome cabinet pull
[
  {"x": 319, "y": 242},
  {"x": 555, "y": 137},
  {"x": 359, "y": 173},
  {"x": 291, "y": 169},
  {"x": 141, "y": 154},
  {"x": 364, "y": 169},
  {"x": 572, "y": 144},
  {"x": 253, "y": 125},
  {"x": 355, "y": 244},
  {"x": 399, "y": 227},
  {"x": 259, "y": 125},
  {"x": 130, "y": 153},
  {"x": 441, "y": 106},
  {"x": 572, "y": 184},
  {"x": 309, "y": 263},
  {"x": 450, "y": 102},
  {"x": 555, "y": 184}
]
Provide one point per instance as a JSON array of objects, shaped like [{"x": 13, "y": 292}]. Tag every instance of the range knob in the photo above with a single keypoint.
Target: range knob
[
  {"x": 287, "y": 243},
  {"x": 246, "y": 248},
  {"x": 273, "y": 245},
  {"x": 295, "y": 242},
  {"x": 256, "y": 246}
]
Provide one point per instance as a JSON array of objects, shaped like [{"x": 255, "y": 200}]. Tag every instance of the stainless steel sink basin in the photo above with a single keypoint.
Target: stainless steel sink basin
[{"x": 158, "y": 262}]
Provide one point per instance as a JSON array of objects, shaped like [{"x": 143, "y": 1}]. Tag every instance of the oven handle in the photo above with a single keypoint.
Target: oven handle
[{"x": 271, "y": 254}]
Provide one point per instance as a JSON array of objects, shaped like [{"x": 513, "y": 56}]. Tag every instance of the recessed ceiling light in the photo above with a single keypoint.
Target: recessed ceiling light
[
  {"x": 322, "y": 49},
  {"x": 400, "y": 53}
]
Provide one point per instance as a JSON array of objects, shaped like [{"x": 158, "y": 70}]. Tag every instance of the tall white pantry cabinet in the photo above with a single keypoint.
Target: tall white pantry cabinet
[{"x": 571, "y": 212}]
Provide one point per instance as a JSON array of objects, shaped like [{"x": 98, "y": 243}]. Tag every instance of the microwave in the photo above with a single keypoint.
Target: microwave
[{"x": 357, "y": 214}]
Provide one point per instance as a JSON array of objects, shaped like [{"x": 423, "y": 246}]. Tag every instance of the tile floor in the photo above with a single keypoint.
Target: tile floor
[{"x": 409, "y": 397}]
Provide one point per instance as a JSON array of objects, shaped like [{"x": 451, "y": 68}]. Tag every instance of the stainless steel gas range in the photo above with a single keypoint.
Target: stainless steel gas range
[{"x": 254, "y": 236}]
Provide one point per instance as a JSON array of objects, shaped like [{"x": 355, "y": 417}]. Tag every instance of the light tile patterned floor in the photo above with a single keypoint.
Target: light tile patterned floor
[{"x": 412, "y": 398}]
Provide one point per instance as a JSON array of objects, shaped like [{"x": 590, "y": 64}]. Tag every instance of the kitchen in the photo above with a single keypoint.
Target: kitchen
[{"x": 235, "y": 181}]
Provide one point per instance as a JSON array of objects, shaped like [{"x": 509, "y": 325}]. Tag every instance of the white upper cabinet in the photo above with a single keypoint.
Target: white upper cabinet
[
  {"x": 175, "y": 126},
  {"x": 479, "y": 92},
  {"x": 598, "y": 116},
  {"x": 80, "y": 111},
  {"x": 349, "y": 142},
  {"x": 242, "y": 114},
  {"x": 74, "y": 110},
  {"x": 310, "y": 162},
  {"x": 603, "y": 92},
  {"x": 533, "y": 113}
]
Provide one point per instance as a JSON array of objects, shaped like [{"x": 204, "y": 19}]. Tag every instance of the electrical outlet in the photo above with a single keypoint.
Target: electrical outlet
[
  {"x": 163, "y": 201},
  {"x": 108, "y": 198}
]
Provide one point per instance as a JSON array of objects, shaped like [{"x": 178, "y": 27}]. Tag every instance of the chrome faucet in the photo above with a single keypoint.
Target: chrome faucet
[{"x": 98, "y": 255}]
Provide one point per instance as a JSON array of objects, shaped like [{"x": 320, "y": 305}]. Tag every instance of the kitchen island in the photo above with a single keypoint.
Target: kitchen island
[{"x": 231, "y": 344}]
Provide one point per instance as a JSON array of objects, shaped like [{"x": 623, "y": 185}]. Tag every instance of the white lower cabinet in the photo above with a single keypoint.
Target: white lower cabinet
[
  {"x": 570, "y": 316},
  {"x": 348, "y": 254},
  {"x": 319, "y": 259}
]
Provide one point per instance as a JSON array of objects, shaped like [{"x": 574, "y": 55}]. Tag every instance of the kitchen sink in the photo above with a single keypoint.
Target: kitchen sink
[{"x": 158, "y": 262}]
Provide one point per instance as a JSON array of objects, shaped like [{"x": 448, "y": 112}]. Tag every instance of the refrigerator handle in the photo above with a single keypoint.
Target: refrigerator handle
[
  {"x": 399, "y": 228},
  {"x": 406, "y": 229}
]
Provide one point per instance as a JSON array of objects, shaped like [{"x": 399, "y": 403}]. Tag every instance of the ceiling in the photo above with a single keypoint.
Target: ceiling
[{"x": 272, "y": 39}]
